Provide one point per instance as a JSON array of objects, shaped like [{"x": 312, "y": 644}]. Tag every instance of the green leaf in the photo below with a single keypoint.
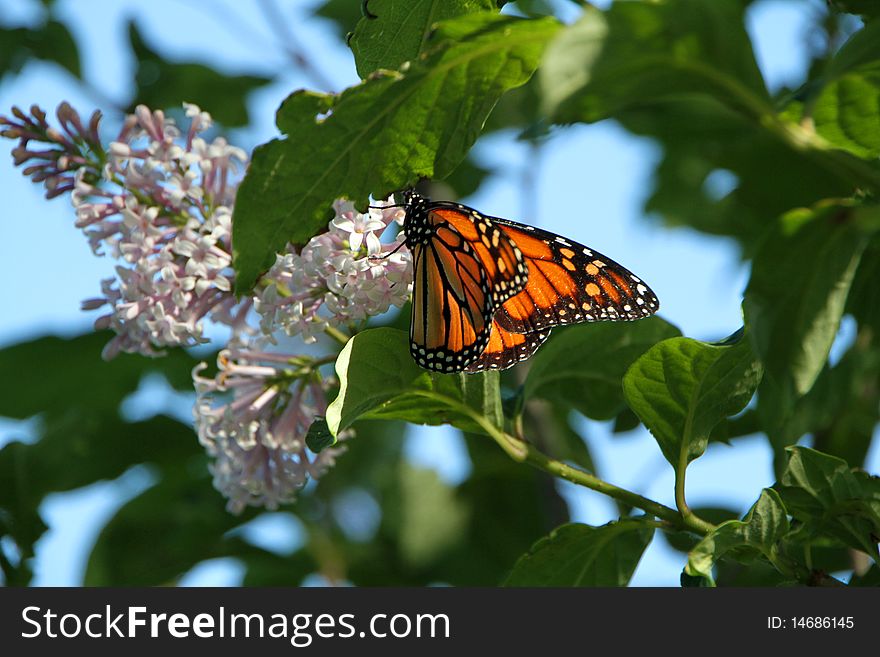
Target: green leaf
[
  {"x": 75, "y": 450},
  {"x": 378, "y": 379},
  {"x": 162, "y": 84},
  {"x": 795, "y": 299},
  {"x": 797, "y": 291},
  {"x": 51, "y": 42},
  {"x": 56, "y": 374},
  {"x": 500, "y": 532},
  {"x": 829, "y": 498},
  {"x": 343, "y": 13},
  {"x": 319, "y": 436},
  {"x": 583, "y": 365},
  {"x": 866, "y": 8},
  {"x": 845, "y": 112},
  {"x": 581, "y": 555},
  {"x": 870, "y": 578},
  {"x": 681, "y": 388},
  {"x": 549, "y": 426},
  {"x": 759, "y": 532},
  {"x": 685, "y": 541},
  {"x": 432, "y": 518},
  {"x": 402, "y": 30},
  {"x": 380, "y": 136},
  {"x": 639, "y": 53},
  {"x": 863, "y": 301},
  {"x": 160, "y": 534}
]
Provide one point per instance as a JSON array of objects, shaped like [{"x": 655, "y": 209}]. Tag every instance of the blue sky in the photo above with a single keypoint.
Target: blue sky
[{"x": 591, "y": 182}]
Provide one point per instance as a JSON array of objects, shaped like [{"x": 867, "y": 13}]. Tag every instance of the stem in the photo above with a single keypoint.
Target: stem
[
  {"x": 336, "y": 334},
  {"x": 691, "y": 520},
  {"x": 523, "y": 452}
]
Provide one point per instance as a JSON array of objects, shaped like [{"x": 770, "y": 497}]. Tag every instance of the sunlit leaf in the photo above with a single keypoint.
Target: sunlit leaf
[
  {"x": 378, "y": 378},
  {"x": 681, "y": 388},
  {"x": 379, "y": 136},
  {"x": 764, "y": 526},
  {"x": 581, "y": 555}
]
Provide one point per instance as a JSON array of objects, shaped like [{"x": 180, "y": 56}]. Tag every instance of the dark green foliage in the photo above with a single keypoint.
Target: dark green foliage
[
  {"x": 51, "y": 42},
  {"x": 794, "y": 180},
  {"x": 162, "y": 84}
]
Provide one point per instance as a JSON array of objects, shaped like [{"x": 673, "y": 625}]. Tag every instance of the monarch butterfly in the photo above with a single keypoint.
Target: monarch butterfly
[{"x": 487, "y": 291}]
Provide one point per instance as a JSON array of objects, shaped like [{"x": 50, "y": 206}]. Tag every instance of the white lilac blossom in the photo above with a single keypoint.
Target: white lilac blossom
[
  {"x": 253, "y": 418},
  {"x": 339, "y": 277},
  {"x": 159, "y": 200},
  {"x": 164, "y": 208}
]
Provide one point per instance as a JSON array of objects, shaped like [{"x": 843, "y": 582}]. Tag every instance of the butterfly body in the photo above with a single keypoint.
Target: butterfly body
[{"x": 487, "y": 291}]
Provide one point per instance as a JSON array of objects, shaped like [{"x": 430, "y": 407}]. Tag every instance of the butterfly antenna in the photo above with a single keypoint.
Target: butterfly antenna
[{"x": 387, "y": 255}]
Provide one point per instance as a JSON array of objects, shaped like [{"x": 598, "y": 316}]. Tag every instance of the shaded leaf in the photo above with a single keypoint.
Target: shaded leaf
[
  {"x": 583, "y": 365},
  {"x": 344, "y": 13},
  {"x": 162, "y": 84},
  {"x": 759, "y": 532},
  {"x": 433, "y": 519},
  {"x": 641, "y": 52},
  {"x": 319, "y": 436},
  {"x": 51, "y": 42},
  {"x": 684, "y": 541},
  {"x": 843, "y": 103},
  {"x": 55, "y": 374},
  {"x": 829, "y": 498},
  {"x": 160, "y": 534},
  {"x": 870, "y": 578},
  {"x": 794, "y": 301},
  {"x": 549, "y": 426},
  {"x": 681, "y": 388},
  {"x": 380, "y": 380},
  {"x": 866, "y": 8},
  {"x": 380, "y": 136},
  {"x": 76, "y": 450},
  {"x": 402, "y": 30},
  {"x": 581, "y": 555}
]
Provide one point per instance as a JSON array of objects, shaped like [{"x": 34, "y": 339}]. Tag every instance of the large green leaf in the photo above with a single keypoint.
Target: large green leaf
[
  {"x": 643, "y": 52},
  {"x": 581, "y": 555},
  {"x": 162, "y": 84},
  {"x": 379, "y": 379},
  {"x": 844, "y": 103},
  {"x": 162, "y": 533},
  {"x": 681, "y": 388},
  {"x": 800, "y": 280},
  {"x": 584, "y": 365},
  {"x": 683, "y": 72},
  {"x": 53, "y": 375},
  {"x": 50, "y": 42},
  {"x": 798, "y": 288},
  {"x": 759, "y": 532},
  {"x": 379, "y": 136},
  {"x": 401, "y": 30},
  {"x": 77, "y": 449},
  {"x": 829, "y": 498}
]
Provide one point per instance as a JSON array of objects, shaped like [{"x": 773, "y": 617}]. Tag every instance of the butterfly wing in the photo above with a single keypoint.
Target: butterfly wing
[
  {"x": 502, "y": 260},
  {"x": 569, "y": 283},
  {"x": 465, "y": 267},
  {"x": 506, "y": 349}
]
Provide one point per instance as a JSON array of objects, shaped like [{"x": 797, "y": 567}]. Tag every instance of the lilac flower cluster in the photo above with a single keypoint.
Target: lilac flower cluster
[
  {"x": 342, "y": 276},
  {"x": 159, "y": 200},
  {"x": 257, "y": 435}
]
